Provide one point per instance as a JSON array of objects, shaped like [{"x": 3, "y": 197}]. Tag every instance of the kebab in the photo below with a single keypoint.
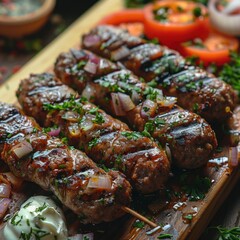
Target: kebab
[
  {"x": 106, "y": 140},
  {"x": 74, "y": 178},
  {"x": 196, "y": 89},
  {"x": 189, "y": 137}
]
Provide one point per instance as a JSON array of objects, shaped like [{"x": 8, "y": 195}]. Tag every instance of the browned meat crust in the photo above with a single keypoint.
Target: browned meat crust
[
  {"x": 195, "y": 89},
  {"x": 190, "y": 138},
  {"x": 105, "y": 139},
  {"x": 56, "y": 168}
]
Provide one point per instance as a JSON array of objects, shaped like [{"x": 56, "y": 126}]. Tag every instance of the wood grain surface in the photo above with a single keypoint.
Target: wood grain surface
[{"x": 223, "y": 180}]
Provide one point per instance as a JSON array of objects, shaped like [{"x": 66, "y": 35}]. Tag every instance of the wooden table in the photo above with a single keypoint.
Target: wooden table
[{"x": 229, "y": 213}]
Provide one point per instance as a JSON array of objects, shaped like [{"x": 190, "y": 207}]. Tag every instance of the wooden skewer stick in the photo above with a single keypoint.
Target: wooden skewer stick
[{"x": 139, "y": 216}]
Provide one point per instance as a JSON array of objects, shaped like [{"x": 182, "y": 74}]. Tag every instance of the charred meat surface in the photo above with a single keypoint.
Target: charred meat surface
[
  {"x": 106, "y": 140},
  {"x": 189, "y": 137},
  {"x": 196, "y": 90},
  {"x": 69, "y": 174}
]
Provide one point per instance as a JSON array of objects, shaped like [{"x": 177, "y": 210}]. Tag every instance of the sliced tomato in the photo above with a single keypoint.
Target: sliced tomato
[
  {"x": 175, "y": 21},
  {"x": 214, "y": 49},
  {"x": 130, "y": 19}
]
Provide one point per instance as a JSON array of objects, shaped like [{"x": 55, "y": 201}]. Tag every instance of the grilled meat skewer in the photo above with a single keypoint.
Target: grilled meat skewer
[
  {"x": 101, "y": 136},
  {"x": 189, "y": 137},
  {"x": 69, "y": 174},
  {"x": 196, "y": 89}
]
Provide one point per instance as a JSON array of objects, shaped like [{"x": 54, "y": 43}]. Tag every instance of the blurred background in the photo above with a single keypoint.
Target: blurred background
[{"x": 14, "y": 53}]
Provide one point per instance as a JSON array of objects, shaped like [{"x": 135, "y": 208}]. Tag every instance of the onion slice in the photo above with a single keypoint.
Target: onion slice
[
  {"x": 120, "y": 53},
  {"x": 228, "y": 24},
  {"x": 117, "y": 107},
  {"x": 88, "y": 92},
  {"x": 100, "y": 182},
  {"x": 5, "y": 190},
  {"x": 54, "y": 132},
  {"x": 233, "y": 157},
  {"x": 9, "y": 178},
  {"x": 4, "y": 203},
  {"x": 22, "y": 149},
  {"x": 91, "y": 67},
  {"x": 126, "y": 102}
]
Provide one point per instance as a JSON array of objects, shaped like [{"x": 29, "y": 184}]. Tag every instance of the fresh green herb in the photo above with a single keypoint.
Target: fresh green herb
[
  {"x": 196, "y": 187},
  {"x": 165, "y": 236},
  {"x": 99, "y": 119},
  {"x": 228, "y": 234},
  {"x": 41, "y": 208},
  {"x": 132, "y": 135},
  {"x": 93, "y": 143},
  {"x": 152, "y": 93},
  {"x": 188, "y": 216},
  {"x": 230, "y": 72},
  {"x": 81, "y": 64},
  {"x": 197, "y": 12},
  {"x": 16, "y": 219},
  {"x": 62, "y": 166},
  {"x": 161, "y": 14},
  {"x": 27, "y": 205},
  {"x": 138, "y": 224},
  {"x": 195, "y": 107},
  {"x": 72, "y": 104}
]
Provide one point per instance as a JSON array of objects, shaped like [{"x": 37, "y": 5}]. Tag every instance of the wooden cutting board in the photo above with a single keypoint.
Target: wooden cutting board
[{"x": 172, "y": 216}]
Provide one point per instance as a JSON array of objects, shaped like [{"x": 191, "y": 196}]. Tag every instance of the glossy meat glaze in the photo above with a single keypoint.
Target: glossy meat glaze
[
  {"x": 106, "y": 140},
  {"x": 189, "y": 137},
  {"x": 46, "y": 161},
  {"x": 196, "y": 89}
]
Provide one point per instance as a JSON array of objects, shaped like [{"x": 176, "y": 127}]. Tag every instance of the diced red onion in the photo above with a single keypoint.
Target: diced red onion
[
  {"x": 5, "y": 190},
  {"x": 120, "y": 53},
  {"x": 117, "y": 107},
  {"x": 135, "y": 97},
  {"x": 100, "y": 182},
  {"x": 90, "y": 67},
  {"x": 126, "y": 102},
  {"x": 228, "y": 24},
  {"x": 233, "y": 157},
  {"x": 168, "y": 152},
  {"x": 88, "y": 92},
  {"x": 71, "y": 116},
  {"x": 22, "y": 149},
  {"x": 54, "y": 132},
  {"x": 4, "y": 203},
  {"x": 234, "y": 138},
  {"x": 148, "y": 108},
  {"x": 9, "y": 178},
  {"x": 168, "y": 101},
  {"x": 91, "y": 40},
  {"x": 94, "y": 59}
]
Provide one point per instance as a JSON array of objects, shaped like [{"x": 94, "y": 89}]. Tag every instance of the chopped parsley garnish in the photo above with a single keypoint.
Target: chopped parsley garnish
[
  {"x": 132, "y": 135},
  {"x": 228, "y": 233},
  {"x": 197, "y": 12},
  {"x": 72, "y": 104},
  {"x": 230, "y": 72},
  {"x": 41, "y": 208},
  {"x": 93, "y": 143},
  {"x": 188, "y": 216},
  {"x": 165, "y": 236},
  {"x": 152, "y": 93},
  {"x": 161, "y": 14},
  {"x": 195, "y": 188},
  {"x": 138, "y": 224},
  {"x": 151, "y": 126},
  {"x": 16, "y": 220}
]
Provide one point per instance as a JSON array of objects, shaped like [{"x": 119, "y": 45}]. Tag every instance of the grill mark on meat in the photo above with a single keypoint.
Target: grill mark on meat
[
  {"x": 185, "y": 156},
  {"x": 107, "y": 140},
  {"x": 223, "y": 97},
  {"x": 42, "y": 166}
]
